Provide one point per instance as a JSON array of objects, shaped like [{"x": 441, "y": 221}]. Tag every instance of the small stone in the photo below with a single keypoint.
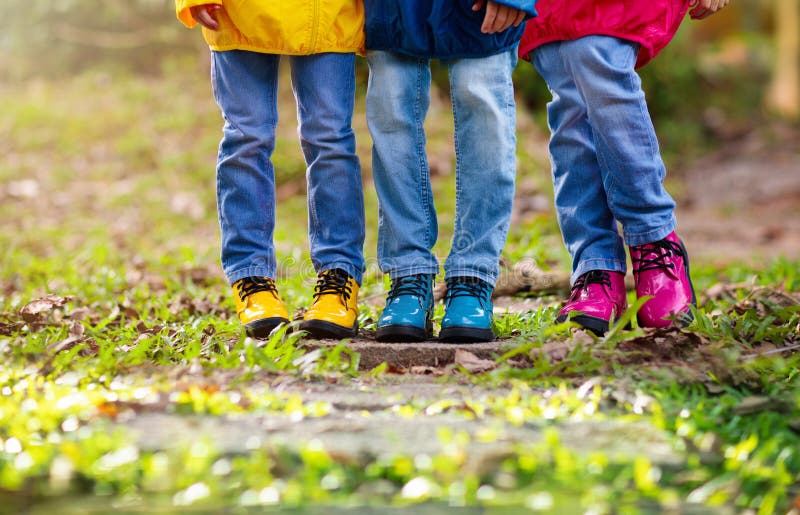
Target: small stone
[{"x": 753, "y": 404}]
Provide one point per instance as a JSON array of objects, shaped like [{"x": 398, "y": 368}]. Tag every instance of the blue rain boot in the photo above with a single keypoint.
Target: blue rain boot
[
  {"x": 468, "y": 311},
  {"x": 407, "y": 315}
]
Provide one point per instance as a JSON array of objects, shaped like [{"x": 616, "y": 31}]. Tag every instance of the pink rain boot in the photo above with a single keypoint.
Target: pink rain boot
[
  {"x": 661, "y": 270},
  {"x": 599, "y": 296}
]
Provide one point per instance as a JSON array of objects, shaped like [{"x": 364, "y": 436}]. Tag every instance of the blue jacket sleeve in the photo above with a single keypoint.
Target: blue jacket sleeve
[{"x": 523, "y": 5}]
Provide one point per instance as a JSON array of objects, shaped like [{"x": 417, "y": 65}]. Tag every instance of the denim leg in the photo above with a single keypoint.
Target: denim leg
[
  {"x": 482, "y": 94},
  {"x": 626, "y": 143},
  {"x": 587, "y": 224},
  {"x": 398, "y": 97},
  {"x": 245, "y": 88},
  {"x": 324, "y": 87}
]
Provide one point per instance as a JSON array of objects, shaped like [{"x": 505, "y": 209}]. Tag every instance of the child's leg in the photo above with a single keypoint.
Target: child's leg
[
  {"x": 484, "y": 112},
  {"x": 628, "y": 153},
  {"x": 627, "y": 148},
  {"x": 324, "y": 86},
  {"x": 587, "y": 225},
  {"x": 398, "y": 97},
  {"x": 245, "y": 87},
  {"x": 485, "y": 123}
]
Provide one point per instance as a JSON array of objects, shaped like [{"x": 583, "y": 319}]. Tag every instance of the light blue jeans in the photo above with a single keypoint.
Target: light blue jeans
[
  {"x": 398, "y": 97},
  {"x": 607, "y": 165},
  {"x": 245, "y": 87}
]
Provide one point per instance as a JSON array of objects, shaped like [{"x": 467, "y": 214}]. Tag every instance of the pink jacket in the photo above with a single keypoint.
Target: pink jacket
[{"x": 651, "y": 23}]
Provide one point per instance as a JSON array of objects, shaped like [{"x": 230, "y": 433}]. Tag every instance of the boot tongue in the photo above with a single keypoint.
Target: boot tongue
[
  {"x": 337, "y": 273},
  {"x": 468, "y": 286},
  {"x": 333, "y": 281},
  {"x": 596, "y": 277}
]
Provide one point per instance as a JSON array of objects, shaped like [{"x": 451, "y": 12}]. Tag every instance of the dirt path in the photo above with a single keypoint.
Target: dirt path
[{"x": 743, "y": 203}]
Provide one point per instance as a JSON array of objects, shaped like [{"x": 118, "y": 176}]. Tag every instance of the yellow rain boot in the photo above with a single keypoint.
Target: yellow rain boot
[
  {"x": 334, "y": 312},
  {"x": 258, "y": 305}
]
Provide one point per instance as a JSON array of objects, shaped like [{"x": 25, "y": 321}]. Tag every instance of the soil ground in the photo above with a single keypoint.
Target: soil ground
[{"x": 743, "y": 203}]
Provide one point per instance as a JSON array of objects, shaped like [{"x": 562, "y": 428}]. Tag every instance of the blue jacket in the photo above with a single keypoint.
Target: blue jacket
[{"x": 437, "y": 28}]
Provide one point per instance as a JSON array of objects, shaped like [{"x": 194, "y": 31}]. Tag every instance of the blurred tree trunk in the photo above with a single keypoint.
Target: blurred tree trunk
[{"x": 784, "y": 95}]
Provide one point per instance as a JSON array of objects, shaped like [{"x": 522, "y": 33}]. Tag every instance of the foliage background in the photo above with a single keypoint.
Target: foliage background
[
  {"x": 112, "y": 304},
  {"x": 696, "y": 89}
]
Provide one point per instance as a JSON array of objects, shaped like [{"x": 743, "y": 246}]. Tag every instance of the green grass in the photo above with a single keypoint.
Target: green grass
[{"x": 120, "y": 228}]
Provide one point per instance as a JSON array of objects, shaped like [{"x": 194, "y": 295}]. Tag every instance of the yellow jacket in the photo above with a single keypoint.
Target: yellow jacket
[{"x": 288, "y": 27}]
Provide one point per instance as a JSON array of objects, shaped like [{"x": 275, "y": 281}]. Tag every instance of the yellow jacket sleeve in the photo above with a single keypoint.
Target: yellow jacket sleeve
[{"x": 182, "y": 8}]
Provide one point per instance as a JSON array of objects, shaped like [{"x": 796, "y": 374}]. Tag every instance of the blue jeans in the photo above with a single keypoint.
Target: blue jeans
[
  {"x": 245, "y": 87},
  {"x": 398, "y": 97},
  {"x": 607, "y": 166}
]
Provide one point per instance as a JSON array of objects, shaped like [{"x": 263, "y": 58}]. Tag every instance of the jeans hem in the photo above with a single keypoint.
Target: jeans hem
[
  {"x": 609, "y": 265},
  {"x": 488, "y": 278},
  {"x": 253, "y": 271},
  {"x": 649, "y": 237},
  {"x": 412, "y": 270}
]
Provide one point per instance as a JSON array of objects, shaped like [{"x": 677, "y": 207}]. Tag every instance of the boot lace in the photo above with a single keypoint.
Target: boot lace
[
  {"x": 409, "y": 285},
  {"x": 468, "y": 287},
  {"x": 600, "y": 277},
  {"x": 251, "y": 285},
  {"x": 659, "y": 252},
  {"x": 333, "y": 282}
]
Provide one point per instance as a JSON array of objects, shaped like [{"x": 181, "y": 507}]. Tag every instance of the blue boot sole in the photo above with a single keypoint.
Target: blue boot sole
[
  {"x": 465, "y": 335},
  {"x": 404, "y": 333}
]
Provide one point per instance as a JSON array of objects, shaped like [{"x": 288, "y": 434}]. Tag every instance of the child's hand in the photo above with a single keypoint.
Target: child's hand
[
  {"x": 206, "y": 15},
  {"x": 705, "y": 8},
  {"x": 498, "y": 17}
]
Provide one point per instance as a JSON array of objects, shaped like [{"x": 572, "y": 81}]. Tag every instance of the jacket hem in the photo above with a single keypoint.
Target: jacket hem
[
  {"x": 441, "y": 55},
  {"x": 285, "y": 51},
  {"x": 646, "y": 51}
]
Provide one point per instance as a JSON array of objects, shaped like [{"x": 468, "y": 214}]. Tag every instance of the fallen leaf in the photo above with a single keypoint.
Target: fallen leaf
[
  {"x": 721, "y": 291},
  {"x": 76, "y": 329},
  {"x": 557, "y": 351},
  {"x": 79, "y": 314},
  {"x": 9, "y": 329},
  {"x": 392, "y": 368},
  {"x": 108, "y": 409},
  {"x": 426, "y": 371},
  {"x": 765, "y": 300},
  {"x": 202, "y": 276},
  {"x": 34, "y": 311},
  {"x": 129, "y": 312},
  {"x": 473, "y": 363},
  {"x": 714, "y": 388},
  {"x": 71, "y": 341}
]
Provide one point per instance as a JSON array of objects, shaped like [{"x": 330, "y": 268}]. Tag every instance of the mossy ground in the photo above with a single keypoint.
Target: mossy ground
[{"x": 112, "y": 307}]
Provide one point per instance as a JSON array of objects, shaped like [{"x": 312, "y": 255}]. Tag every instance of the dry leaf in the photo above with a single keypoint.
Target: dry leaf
[
  {"x": 426, "y": 371},
  {"x": 9, "y": 329},
  {"x": 392, "y": 368},
  {"x": 473, "y": 363},
  {"x": 77, "y": 329},
  {"x": 35, "y": 310}
]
